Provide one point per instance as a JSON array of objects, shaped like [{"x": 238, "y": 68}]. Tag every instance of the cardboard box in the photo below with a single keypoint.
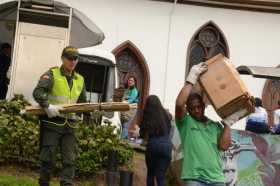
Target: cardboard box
[{"x": 224, "y": 87}]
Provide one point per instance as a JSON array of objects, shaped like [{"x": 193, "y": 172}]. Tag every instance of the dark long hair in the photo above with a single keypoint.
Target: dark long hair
[
  {"x": 156, "y": 121},
  {"x": 258, "y": 102}
]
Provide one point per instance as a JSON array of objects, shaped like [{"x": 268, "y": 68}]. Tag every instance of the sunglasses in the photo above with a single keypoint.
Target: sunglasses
[{"x": 74, "y": 58}]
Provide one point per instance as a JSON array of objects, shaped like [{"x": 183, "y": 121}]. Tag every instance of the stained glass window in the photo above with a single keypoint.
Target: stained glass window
[{"x": 207, "y": 42}]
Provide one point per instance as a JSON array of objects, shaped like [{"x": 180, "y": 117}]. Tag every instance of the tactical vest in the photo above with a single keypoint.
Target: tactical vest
[{"x": 61, "y": 92}]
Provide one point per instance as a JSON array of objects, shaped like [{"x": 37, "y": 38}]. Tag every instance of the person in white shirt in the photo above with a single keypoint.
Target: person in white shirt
[
  {"x": 276, "y": 114},
  {"x": 257, "y": 122}
]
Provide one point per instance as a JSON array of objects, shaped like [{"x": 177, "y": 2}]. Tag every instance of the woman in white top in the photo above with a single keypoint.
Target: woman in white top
[
  {"x": 276, "y": 127},
  {"x": 257, "y": 122}
]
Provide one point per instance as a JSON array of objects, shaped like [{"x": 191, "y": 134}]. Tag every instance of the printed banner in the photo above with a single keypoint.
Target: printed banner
[{"x": 252, "y": 160}]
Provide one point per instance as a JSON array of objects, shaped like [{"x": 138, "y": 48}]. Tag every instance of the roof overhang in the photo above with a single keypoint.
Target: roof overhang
[
  {"x": 98, "y": 53},
  {"x": 260, "y": 72},
  {"x": 270, "y": 6}
]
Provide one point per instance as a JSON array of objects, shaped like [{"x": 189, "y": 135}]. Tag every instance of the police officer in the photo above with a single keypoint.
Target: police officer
[{"x": 59, "y": 86}]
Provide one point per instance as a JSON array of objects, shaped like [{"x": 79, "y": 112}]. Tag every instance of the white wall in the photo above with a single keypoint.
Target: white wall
[
  {"x": 144, "y": 23},
  {"x": 253, "y": 37}
]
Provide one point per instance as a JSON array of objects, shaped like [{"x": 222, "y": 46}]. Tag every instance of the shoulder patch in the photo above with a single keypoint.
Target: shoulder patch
[{"x": 45, "y": 77}]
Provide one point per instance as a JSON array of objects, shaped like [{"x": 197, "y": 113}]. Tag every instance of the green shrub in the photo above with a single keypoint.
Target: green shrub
[
  {"x": 19, "y": 139},
  {"x": 95, "y": 143}
]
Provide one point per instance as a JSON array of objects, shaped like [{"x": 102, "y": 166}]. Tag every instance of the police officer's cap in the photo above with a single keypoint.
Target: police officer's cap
[{"x": 70, "y": 52}]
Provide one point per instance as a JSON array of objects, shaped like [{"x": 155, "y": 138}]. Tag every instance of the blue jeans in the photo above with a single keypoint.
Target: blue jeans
[
  {"x": 125, "y": 130},
  {"x": 257, "y": 127},
  {"x": 158, "y": 158},
  {"x": 201, "y": 183},
  {"x": 125, "y": 126}
]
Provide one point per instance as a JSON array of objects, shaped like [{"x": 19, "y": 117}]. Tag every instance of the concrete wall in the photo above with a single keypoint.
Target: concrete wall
[{"x": 163, "y": 32}]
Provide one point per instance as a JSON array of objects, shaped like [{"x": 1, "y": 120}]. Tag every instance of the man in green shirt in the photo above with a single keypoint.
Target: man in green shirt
[{"x": 202, "y": 139}]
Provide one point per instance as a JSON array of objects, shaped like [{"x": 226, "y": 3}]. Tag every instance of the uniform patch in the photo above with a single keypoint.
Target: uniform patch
[{"x": 45, "y": 77}]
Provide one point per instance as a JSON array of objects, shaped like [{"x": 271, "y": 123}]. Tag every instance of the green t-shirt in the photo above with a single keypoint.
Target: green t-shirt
[{"x": 202, "y": 158}]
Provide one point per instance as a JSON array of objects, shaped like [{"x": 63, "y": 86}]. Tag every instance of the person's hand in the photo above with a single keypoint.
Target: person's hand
[
  {"x": 233, "y": 118},
  {"x": 195, "y": 72},
  {"x": 136, "y": 132},
  {"x": 53, "y": 110},
  {"x": 8, "y": 74}
]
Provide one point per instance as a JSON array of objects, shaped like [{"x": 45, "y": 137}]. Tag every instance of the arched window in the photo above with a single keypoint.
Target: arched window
[
  {"x": 130, "y": 61},
  {"x": 270, "y": 98},
  {"x": 207, "y": 42}
]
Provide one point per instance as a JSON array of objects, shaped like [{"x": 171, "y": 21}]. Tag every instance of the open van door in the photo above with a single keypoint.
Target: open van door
[{"x": 98, "y": 67}]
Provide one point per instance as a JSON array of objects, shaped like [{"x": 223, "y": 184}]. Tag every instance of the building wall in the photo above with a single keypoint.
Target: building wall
[{"x": 162, "y": 33}]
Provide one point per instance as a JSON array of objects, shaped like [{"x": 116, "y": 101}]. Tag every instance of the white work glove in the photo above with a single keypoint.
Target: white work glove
[
  {"x": 53, "y": 110},
  {"x": 195, "y": 72},
  {"x": 233, "y": 118}
]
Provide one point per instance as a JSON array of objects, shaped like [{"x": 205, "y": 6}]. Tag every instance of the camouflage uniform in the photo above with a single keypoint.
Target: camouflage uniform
[{"x": 54, "y": 135}]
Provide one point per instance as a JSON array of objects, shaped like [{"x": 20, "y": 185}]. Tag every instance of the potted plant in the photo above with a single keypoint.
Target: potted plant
[
  {"x": 112, "y": 166},
  {"x": 126, "y": 173}
]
